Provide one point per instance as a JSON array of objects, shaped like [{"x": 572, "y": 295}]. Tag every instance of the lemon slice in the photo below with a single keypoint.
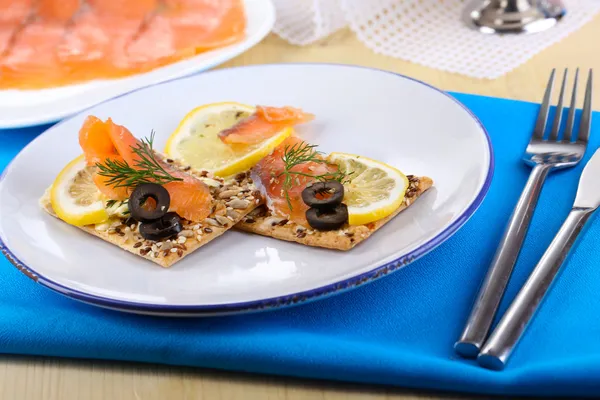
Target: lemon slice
[
  {"x": 74, "y": 196},
  {"x": 195, "y": 142},
  {"x": 373, "y": 191}
]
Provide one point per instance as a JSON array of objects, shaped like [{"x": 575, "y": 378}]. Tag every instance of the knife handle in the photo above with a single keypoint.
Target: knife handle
[
  {"x": 504, "y": 338},
  {"x": 496, "y": 279}
]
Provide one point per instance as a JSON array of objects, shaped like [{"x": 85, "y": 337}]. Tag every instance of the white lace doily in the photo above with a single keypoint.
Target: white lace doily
[{"x": 427, "y": 32}]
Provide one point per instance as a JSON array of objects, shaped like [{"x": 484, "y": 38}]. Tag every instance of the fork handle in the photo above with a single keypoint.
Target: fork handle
[
  {"x": 505, "y": 337},
  {"x": 494, "y": 284}
]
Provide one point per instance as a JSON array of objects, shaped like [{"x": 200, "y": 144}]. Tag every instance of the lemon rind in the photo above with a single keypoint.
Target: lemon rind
[{"x": 58, "y": 198}]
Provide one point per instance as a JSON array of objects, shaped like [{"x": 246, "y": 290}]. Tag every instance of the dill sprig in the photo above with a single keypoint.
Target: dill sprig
[
  {"x": 147, "y": 168},
  {"x": 301, "y": 153},
  {"x": 111, "y": 203}
]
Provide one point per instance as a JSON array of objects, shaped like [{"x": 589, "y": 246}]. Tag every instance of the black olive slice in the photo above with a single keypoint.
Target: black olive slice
[
  {"x": 141, "y": 194},
  {"x": 327, "y": 219},
  {"x": 331, "y": 194},
  {"x": 169, "y": 225}
]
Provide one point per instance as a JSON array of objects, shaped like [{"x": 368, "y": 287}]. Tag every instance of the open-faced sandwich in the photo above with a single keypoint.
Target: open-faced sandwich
[
  {"x": 334, "y": 202},
  {"x": 226, "y": 165},
  {"x": 127, "y": 194}
]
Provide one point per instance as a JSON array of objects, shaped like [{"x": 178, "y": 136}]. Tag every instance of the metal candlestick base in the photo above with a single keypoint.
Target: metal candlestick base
[{"x": 513, "y": 16}]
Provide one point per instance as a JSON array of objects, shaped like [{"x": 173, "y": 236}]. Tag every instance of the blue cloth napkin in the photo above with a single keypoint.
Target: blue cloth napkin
[{"x": 398, "y": 330}]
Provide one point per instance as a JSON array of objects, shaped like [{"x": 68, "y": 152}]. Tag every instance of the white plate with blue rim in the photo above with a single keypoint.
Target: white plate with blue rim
[
  {"x": 22, "y": 108},
  {"x": 364, "y": 111}
]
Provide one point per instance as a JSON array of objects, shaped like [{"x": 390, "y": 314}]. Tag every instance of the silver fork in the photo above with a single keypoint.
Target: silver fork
[{"x": 545, "y": 153}]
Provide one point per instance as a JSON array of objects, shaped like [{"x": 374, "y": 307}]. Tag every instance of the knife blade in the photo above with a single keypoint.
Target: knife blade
[{"x": 588, "y": 192}]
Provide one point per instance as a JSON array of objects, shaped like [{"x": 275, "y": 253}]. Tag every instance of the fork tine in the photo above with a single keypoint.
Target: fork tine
[
  {"x": 559, "y": 109},
  {"x": 540, "y": 124},
  {"x": 571, "y": 117},
  {"x": 586, "y": 114}
]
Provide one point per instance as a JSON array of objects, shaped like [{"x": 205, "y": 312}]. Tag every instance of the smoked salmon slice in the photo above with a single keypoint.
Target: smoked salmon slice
[
  {"x": 84, "y": 43},
  {"x": 134, "y": 9},
  {"x": 31, "y": 59},
  {"x": 184, "y": 28},
  {"x": 98, "y": 147},
  {"x": 95, "y": 141},
  {"x": 96, "y": 43},
  {"x": 14, "y": 10},
  {"x": 47, "y": 43},
  {"x": 102, "y": 141},
  {"x": 95, "y": 46},
  {"x": 264, "y": 123},
  {"x": 268, "y": 176},
  {"x": 59, "y": 11},
  {"x": 12, "y": 17}
]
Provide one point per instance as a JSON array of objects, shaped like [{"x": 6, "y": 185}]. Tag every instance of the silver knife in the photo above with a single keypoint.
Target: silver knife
[{"x": 504, "y": 338}]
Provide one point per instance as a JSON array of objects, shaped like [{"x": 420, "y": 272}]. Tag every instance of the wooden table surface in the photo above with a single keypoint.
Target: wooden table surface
[{"x": 53, "y": 379}]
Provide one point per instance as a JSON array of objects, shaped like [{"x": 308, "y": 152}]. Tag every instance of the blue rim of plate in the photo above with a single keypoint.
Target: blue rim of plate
[{"x": 274, "y": 302}]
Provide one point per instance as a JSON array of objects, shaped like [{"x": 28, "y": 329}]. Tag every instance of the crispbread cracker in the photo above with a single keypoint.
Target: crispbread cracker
[
  {"x": 263, "y": 223},
  {"x": 162, "y": 254}
]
